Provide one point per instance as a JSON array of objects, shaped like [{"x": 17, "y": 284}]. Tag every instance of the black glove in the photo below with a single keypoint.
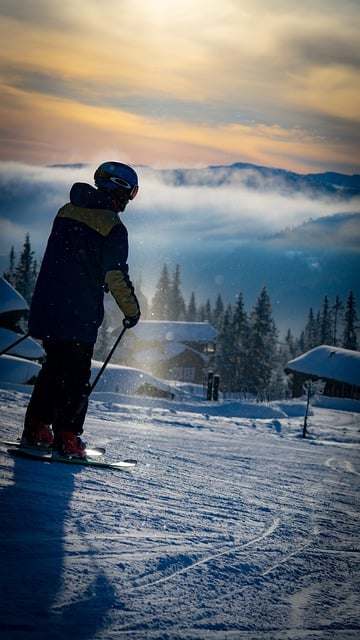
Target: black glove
[{"x": 131, "y": 321}]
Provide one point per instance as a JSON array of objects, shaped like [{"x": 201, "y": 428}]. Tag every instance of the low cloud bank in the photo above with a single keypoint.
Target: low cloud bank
[{"x": 163, "y": 215}]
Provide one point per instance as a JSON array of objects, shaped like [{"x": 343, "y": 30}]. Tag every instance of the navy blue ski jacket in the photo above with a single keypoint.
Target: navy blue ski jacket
[{"x": 86, "y": 254}]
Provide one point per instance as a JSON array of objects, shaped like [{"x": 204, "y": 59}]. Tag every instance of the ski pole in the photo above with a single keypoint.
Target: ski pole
[
  {"x": 98, "y": 375},
  {"x": 14, "y": 344},
  {"x": 105, "y": 363}
]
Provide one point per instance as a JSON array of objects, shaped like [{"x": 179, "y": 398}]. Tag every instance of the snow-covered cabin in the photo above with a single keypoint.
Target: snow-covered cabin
[
  {"x": 338, "y": 368},
  {"x": 169, "y": 349},
  {"x": 14, "y": 308}
]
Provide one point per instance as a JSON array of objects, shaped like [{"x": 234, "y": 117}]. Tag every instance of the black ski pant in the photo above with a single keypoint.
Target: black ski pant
[{"x": 60, "y": 395}]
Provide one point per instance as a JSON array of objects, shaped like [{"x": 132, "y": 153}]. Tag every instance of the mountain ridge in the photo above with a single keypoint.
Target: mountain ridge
[{"x": 253, "y": 176}]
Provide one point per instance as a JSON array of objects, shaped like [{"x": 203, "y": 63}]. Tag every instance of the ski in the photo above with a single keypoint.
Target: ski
[
  {"x": 45, "y": 456},
  {"x": 93, "y": 452}
]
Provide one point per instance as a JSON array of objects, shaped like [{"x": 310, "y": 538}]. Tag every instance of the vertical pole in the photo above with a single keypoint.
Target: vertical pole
[
  {"x": 216, "y": 388},
  {"x": 210, "y": 382},
  {"x": 307, "y": 410}
]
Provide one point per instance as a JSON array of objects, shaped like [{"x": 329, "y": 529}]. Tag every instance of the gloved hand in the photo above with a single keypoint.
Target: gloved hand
[{"x": 131, "y": 321}]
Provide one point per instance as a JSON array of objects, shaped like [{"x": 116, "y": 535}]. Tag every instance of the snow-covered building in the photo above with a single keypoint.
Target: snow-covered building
[
  {"x": 15, "y": 365},
  {"x": 13, "y": 306},
  {"x": 169, "y": 349},
  {"x": 338, "y": 368}
]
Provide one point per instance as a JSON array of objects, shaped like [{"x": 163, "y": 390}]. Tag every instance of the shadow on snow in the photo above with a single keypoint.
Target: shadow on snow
[{"x": 35, "y": 514}]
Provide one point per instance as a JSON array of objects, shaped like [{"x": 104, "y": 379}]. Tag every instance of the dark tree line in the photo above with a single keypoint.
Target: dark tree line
[
  {"x": 333, "y": 324},
  {"x": 22, "y": 271},
  {"x": 250, "y": 357}
]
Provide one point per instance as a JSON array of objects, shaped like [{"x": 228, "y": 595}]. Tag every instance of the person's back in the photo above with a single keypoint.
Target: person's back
[
  {"x": 86, "y": 253},
  {"x": 86, "y": 242}
]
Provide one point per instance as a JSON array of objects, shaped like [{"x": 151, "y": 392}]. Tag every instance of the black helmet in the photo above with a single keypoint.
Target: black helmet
[{"x": 117, "y": 177}]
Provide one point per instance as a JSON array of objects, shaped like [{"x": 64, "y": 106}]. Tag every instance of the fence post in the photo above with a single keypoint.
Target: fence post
[
  {"x": 210, "y": 382},
  {"x": 216, "y": 385},
  {"x": 307, "y": 410}
]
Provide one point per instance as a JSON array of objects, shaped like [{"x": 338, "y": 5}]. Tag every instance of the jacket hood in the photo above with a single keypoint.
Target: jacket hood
[{"x": 84, "y": 195}]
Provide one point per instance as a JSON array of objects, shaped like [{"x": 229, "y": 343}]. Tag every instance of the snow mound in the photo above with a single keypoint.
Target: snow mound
[
  {"x": 10, "y": 299},
  {"x": 337, "y": 404},
  {"x": 28, "y": 348},
  {"x": 17, "y": 370},
  {"x": 129, "y": 381},
  {"x": 332, "y": 363}
]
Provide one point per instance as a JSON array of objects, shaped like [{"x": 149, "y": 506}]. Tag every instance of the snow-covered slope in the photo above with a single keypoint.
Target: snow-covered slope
[{"x": 229, "y": 528}]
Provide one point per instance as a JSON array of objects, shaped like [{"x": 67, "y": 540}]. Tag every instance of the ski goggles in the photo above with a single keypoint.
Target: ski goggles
[{"x": 123, "y": 184}]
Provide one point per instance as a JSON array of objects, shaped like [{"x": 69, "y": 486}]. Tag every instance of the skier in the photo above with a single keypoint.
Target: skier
[{"x": 86, "y": 255}]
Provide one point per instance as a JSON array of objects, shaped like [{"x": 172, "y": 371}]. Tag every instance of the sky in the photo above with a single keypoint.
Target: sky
[{"x": 181, "y": 82}]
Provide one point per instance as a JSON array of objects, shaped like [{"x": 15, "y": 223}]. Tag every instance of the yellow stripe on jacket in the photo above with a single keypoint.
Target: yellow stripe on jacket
[{"x": 100, "y": 220}]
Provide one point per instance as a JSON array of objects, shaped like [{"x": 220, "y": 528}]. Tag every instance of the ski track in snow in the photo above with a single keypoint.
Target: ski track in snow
[{"x": 227, "y": 529}]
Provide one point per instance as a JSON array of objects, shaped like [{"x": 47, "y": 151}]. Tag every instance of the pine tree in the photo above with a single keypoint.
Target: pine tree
[
  {"x": 240, "y": 331},
  {"x": 143, "y": 302},
  {"x": 301, "y": 343},
  {"x": 291, "y": 345},
  {"x": 317, "y": 333},
  {"x": 176, "y": 308},
  {"x": 35, "y": 270},
  {"x": 201, "y": 315},
  {"x": 191, "y": 313},
  {"x": 24, "y": 274},
  {"x": 160, "y": 302},
  {"x": 225, "y": 352},
  {"x": 338, "y": 306},
  {"x": 350, "y": 319},
  {"x": 208, "y": 312},
  {"x": 311, "y": 331},
  {"x": 218, "y": 312},
  {"x": 102, "y": 346},
  {"x": 9, "y": 275},
  {"x": 326, "y": 333},
  {"x": 262, "y": 344}
]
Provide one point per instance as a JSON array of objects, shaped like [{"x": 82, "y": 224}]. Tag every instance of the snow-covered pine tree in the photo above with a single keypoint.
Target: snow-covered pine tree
[
  {"x": 160, "y": 301},
  {"x": 191, "y": 312},
  {"x": 24, "y": 273},
  {"x": 225, "y": 357},
  {"x": 291, "y": 344},
  {"x": 318, "y": 328},
  {"x": 208, "y": 312},
  {"x": 337, "y": 307},
  {"x": 350, "y": 320},
  {"x": 262, "y": 352},
  {"x": 218, "y": 312},
  {"x": 326, "y": 332},
  {"x": 311, "y": 331},
  {"x": 34, "y": 271},
  {"x": 102, "y": 346},
  {"x": 301, "y": 343},
  {"x": 240, "y": 329},
  {"x": 201, "y": 314},
  {"x": 177, "y": 309},
  {"x": 143, "y": 302},
  {"x": 9, "y": 275}
]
